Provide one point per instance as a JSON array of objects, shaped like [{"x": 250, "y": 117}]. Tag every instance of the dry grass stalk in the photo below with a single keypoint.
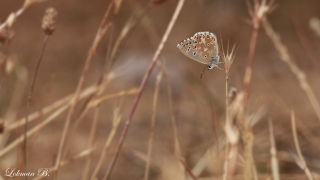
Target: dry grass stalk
[
  {"x": 117, "y": 5},
  {"x": 48, "y": 25},
  {"x": 92, "y": 103},
  {"x": 212, "y": 153},
  {"x": 125, "y": 33},
  {"x": 154, "y": 165},
  {"x": 104, "y": 26},
  {"x": 217, "y": 135},
  {"x": 278, "y": 101},
  {"x": 258, "y": 12},
  {"x": 13, "y": 16},
  {"x": 300, "y": 160},
  {"x": 115, "y": 123},
  {"x": 300, "y": 75},
  {"x": 33, "y": 130},
  {"x": 14, "y": 104},
  {"x": 107, "y": 76},
  {"x": 99, "y": 100},
  {"x": 91, "y": 142},
  {"x": 273, "y": 152},
  {"x": 295, "y": 176},
  {"x": 188, "y": 170},
  {"x": 232, "y": 131},
  {"x": 177, "y": 149},
  {"x": 142, "y": 85},
  {"x": 228, "y": 60},
  {"x": 153, "y": 122},
  {"x": 101, "y": 85},
  {"x": 59, "y": 103},
  {"x": 82, "y": 154},
  {"x": 314, "y": 24},
  {"x": 172, "y": 169},
  {"x": 306, "y": 43}
]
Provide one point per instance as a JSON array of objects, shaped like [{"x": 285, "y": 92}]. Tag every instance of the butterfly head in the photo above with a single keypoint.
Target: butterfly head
[{"x": 214, "y": 62}]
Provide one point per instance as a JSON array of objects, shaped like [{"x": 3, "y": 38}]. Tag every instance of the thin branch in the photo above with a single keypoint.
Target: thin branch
[
  {"x": 29, "y": 101},
  {"x": 142, "y": 85},
  {"x": 153, "y": 122},
  {"x": 273, "y": 152},
  {"x": 301, "y": 162},
  {"x": 99, "y": 35},
  {"x": 300, "y": 75}
]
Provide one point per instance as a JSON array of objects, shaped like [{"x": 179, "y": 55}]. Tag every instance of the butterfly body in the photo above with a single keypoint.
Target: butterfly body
[{"x": 201, "y": 47}]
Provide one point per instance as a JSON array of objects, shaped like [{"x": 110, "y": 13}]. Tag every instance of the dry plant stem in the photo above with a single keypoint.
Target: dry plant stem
[
  {"x": 302, "y": 162},
  {"x": 66, "y": 100},
  {"x": 125, "y": 33},
  {"x": 211, "y": 153},
  {"x": 96, "y": 102},
  {"x": 99, "y": 35},
  {"x": 300, "y": 75},
  {"x": 29, "y": 102},
  {"x": 142, "y": 85},
  {"x": 304, "y": 129},
  {"x": 177, "y": 148},
  {"x": 88, "y": 92},
  {"x": 273, "y": 152},
  {"x": 15, "y": 103},
  {"x": 216, "y": 129},
  {"x": 248, "y": 72},
  {"x": 188, "y": 169},
  {"x": 257, "y": 11},
  {"x": 82, "y": 154},
  {"x": 16, "y": 14},
  {"x": 115, "y": 124},
  {"x": 249, "y": 160},
  {"x": 306, "y": 43},
  {"x": 153, "y": 122},
  {"x": 33, "y": 130},
  {"x": 82, "y": 113},
  {"x": 226, "y": 163},
  {"x": 91, "y": 142},
  {"x": 34, "y": 139}
]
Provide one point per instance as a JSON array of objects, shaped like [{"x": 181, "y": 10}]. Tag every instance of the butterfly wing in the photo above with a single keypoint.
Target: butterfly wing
[{"x": 201, "y": 47}]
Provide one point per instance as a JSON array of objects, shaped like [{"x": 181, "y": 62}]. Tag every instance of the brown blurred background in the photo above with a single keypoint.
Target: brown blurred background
[{"x": 273, "y": 86}]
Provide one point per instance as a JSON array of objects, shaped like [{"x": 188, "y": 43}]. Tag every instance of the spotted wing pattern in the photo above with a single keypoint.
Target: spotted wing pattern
[{"x": 201, "y": 47}]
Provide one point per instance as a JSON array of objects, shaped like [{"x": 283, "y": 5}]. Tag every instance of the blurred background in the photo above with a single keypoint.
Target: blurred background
[{"x": 198, "y": 104}]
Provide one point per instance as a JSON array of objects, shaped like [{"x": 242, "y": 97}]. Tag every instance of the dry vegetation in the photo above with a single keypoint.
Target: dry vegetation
[{"x": 99, "y": 90}]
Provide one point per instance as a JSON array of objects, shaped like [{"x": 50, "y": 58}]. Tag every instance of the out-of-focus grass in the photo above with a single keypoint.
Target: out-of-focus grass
[{"x": 198, "y": 106}]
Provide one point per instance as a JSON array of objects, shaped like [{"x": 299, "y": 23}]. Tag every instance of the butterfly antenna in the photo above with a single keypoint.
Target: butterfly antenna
[{"x": 203, "y": 72}]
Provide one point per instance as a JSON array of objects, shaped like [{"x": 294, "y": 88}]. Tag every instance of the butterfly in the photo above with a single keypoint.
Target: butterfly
[{"x": 203, "y": 48}]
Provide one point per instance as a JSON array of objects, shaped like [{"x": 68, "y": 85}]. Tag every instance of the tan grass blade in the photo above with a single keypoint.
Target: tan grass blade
[{"x": 300, "y": 75}]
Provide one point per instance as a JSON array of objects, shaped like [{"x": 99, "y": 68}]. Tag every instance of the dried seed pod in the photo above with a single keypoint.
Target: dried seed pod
[{"x": 49, "y": 21}]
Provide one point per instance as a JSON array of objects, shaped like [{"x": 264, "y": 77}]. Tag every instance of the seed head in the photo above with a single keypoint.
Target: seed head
[
  {"x": 49, "y": 21},
  {"x": 228, "y": 58}
]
